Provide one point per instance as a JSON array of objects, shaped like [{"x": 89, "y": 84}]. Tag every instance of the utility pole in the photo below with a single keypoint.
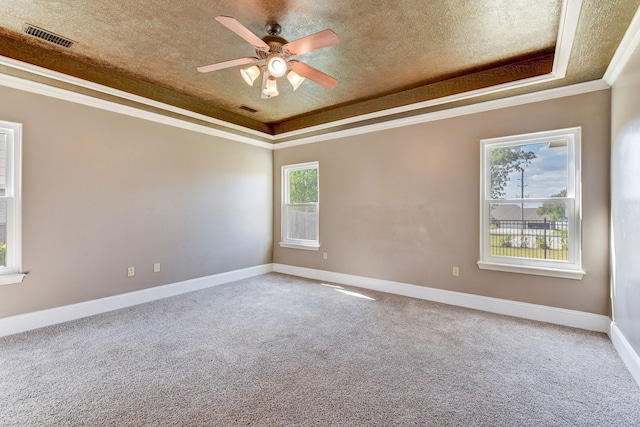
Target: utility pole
[{"x": 522, "y": 201}]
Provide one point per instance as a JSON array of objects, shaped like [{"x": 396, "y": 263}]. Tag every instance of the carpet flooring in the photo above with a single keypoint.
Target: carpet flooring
[{"x": 277, "y": 350}]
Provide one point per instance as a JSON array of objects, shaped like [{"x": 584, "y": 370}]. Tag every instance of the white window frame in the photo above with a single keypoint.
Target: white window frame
[
  {"x": 288, "y": 242},
  {"x": 12, "y": 273},
  {"x": 572, "y": 268}
]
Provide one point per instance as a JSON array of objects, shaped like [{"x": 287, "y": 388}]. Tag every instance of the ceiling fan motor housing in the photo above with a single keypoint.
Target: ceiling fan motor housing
[
  {"x": 273, "y": 28},
  {"x": 276, "y": 57},
  {"x": 275, "y": 46}
]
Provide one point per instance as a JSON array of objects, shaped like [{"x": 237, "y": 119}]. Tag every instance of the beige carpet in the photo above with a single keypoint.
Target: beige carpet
[{"x": 276, "y": 350}]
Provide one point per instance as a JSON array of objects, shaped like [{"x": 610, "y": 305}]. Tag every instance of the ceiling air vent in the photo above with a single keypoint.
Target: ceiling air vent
[
  {"x": 47, "y": 36},
  {"x": 249, "y": 109}
]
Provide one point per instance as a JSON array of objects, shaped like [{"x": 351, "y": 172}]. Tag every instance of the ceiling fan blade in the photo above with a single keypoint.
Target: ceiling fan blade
[
  {"x": 242, "y": 31},
  {"x": 314, "y": 41},
  {"x": 227, "y": 64},
  {"x": 315, "y": 75}
]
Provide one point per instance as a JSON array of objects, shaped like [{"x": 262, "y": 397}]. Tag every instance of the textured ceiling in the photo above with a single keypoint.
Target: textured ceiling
[{"x": 390, "y": 54}]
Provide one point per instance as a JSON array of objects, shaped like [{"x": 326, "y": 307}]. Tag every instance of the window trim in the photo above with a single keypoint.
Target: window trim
[
  {"x": 286, "y": 242},
  {"x": 571, "y": 269},
  {"x": 12, "y": 273}
]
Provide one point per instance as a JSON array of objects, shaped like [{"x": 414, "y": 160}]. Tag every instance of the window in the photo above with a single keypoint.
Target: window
[
  {"x": 10, "y": 251},
  {"x": 300, "y": 197},
  {"x": 530, "y": 206}
]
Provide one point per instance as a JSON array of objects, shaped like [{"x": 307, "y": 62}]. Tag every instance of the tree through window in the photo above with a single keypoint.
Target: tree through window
[
  {"x": 530, "y": 207},
  {"x": 300, "y": 202}
]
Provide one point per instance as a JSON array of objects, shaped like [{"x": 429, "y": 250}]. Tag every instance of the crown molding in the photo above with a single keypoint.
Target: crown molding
[
  {"x": 567, "y": 28},
  {"x": 624, "y": 51},
  {"x": 71, "y": 96},
  {"x": 90, "y": 101},
  {"x": 529, "y": 98},
  {"x": 77, "y": 82}
]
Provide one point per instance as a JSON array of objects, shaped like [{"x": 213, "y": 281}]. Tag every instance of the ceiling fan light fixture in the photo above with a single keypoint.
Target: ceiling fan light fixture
[
  {"x": 273, "y": 53},
  {"x": 250, "y": 74},
  {"x": 277, "y": 66},
  {"x": 271, "y": 87},
  {"x": 295, "y": 79}
]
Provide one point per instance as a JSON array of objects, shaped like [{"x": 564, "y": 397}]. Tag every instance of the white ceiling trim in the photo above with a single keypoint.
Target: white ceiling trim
[
  {"x": 425, "y": 104},
  {"x": 50, "y": 74},
  {"x": 90, "y": 101},
  {"x": 627, "y": 46},
  {"x": 497, "y": 104},
  {"x": 67, "y": 95},
  {"x": 566, "y": 35}
]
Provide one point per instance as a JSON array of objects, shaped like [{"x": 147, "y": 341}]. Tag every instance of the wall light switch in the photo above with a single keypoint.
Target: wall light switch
[
  {"x": 324, "y": 255},
  {"x": 456, "y": 271},
  {"x": 156, "y": 267}
]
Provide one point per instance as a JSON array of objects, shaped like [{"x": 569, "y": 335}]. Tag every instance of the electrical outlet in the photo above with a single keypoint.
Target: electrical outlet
[
  {"x": 324, "y": 255},
  {"x": 131, "y": 271},
  {"x": 456, "y": 271},
  {"x": 156, "y": 267}
]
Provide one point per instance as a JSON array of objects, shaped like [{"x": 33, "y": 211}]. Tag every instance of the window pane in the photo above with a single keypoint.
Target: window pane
[
  {"x": 3, "y": 234},
  {"x": 302, "y": 221},
  {"x": 303, "y": 186},
  {"x": 529, "y": 230},
  {"x": 537, "y": 170}
]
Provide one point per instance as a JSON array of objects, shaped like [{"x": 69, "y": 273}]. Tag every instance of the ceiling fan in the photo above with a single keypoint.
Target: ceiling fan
[{"x": 273, "y": 57}]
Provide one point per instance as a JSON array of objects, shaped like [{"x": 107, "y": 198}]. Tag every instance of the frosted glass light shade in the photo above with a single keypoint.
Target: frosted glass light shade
[
  {"x": 277, "y": 66},
  {"x": 250, "y": 74},
  {"x": 271, "y": 88},
  {"x": 295, "y": 79}
]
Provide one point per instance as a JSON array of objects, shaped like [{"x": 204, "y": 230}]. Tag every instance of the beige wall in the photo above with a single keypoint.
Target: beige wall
[
  {"x": 402, "y": 204},
  {"x": 625, "y": 200},
  {"x": 104, "y": 191}
]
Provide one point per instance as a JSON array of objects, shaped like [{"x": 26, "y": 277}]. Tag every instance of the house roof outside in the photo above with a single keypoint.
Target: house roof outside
[{"x": 511, "y": 212}]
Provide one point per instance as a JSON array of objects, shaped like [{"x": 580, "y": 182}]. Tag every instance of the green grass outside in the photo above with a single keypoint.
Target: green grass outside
[{"x": 538, "y": 253}]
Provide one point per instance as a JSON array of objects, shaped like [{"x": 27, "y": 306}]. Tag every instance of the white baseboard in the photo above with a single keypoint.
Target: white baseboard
[
  {"x": 626, "y": 352},
  {"x": 577, "y": 319},
  {"x": 558, "y": 316},
  {"x": 38, "y": 319}
]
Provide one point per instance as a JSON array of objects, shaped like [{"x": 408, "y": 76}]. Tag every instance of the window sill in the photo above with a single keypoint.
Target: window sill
[
  {"x": 538, "y": 271},
  {"x": 307, "y": 246},
  {"x": 10, "y": 279}
]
